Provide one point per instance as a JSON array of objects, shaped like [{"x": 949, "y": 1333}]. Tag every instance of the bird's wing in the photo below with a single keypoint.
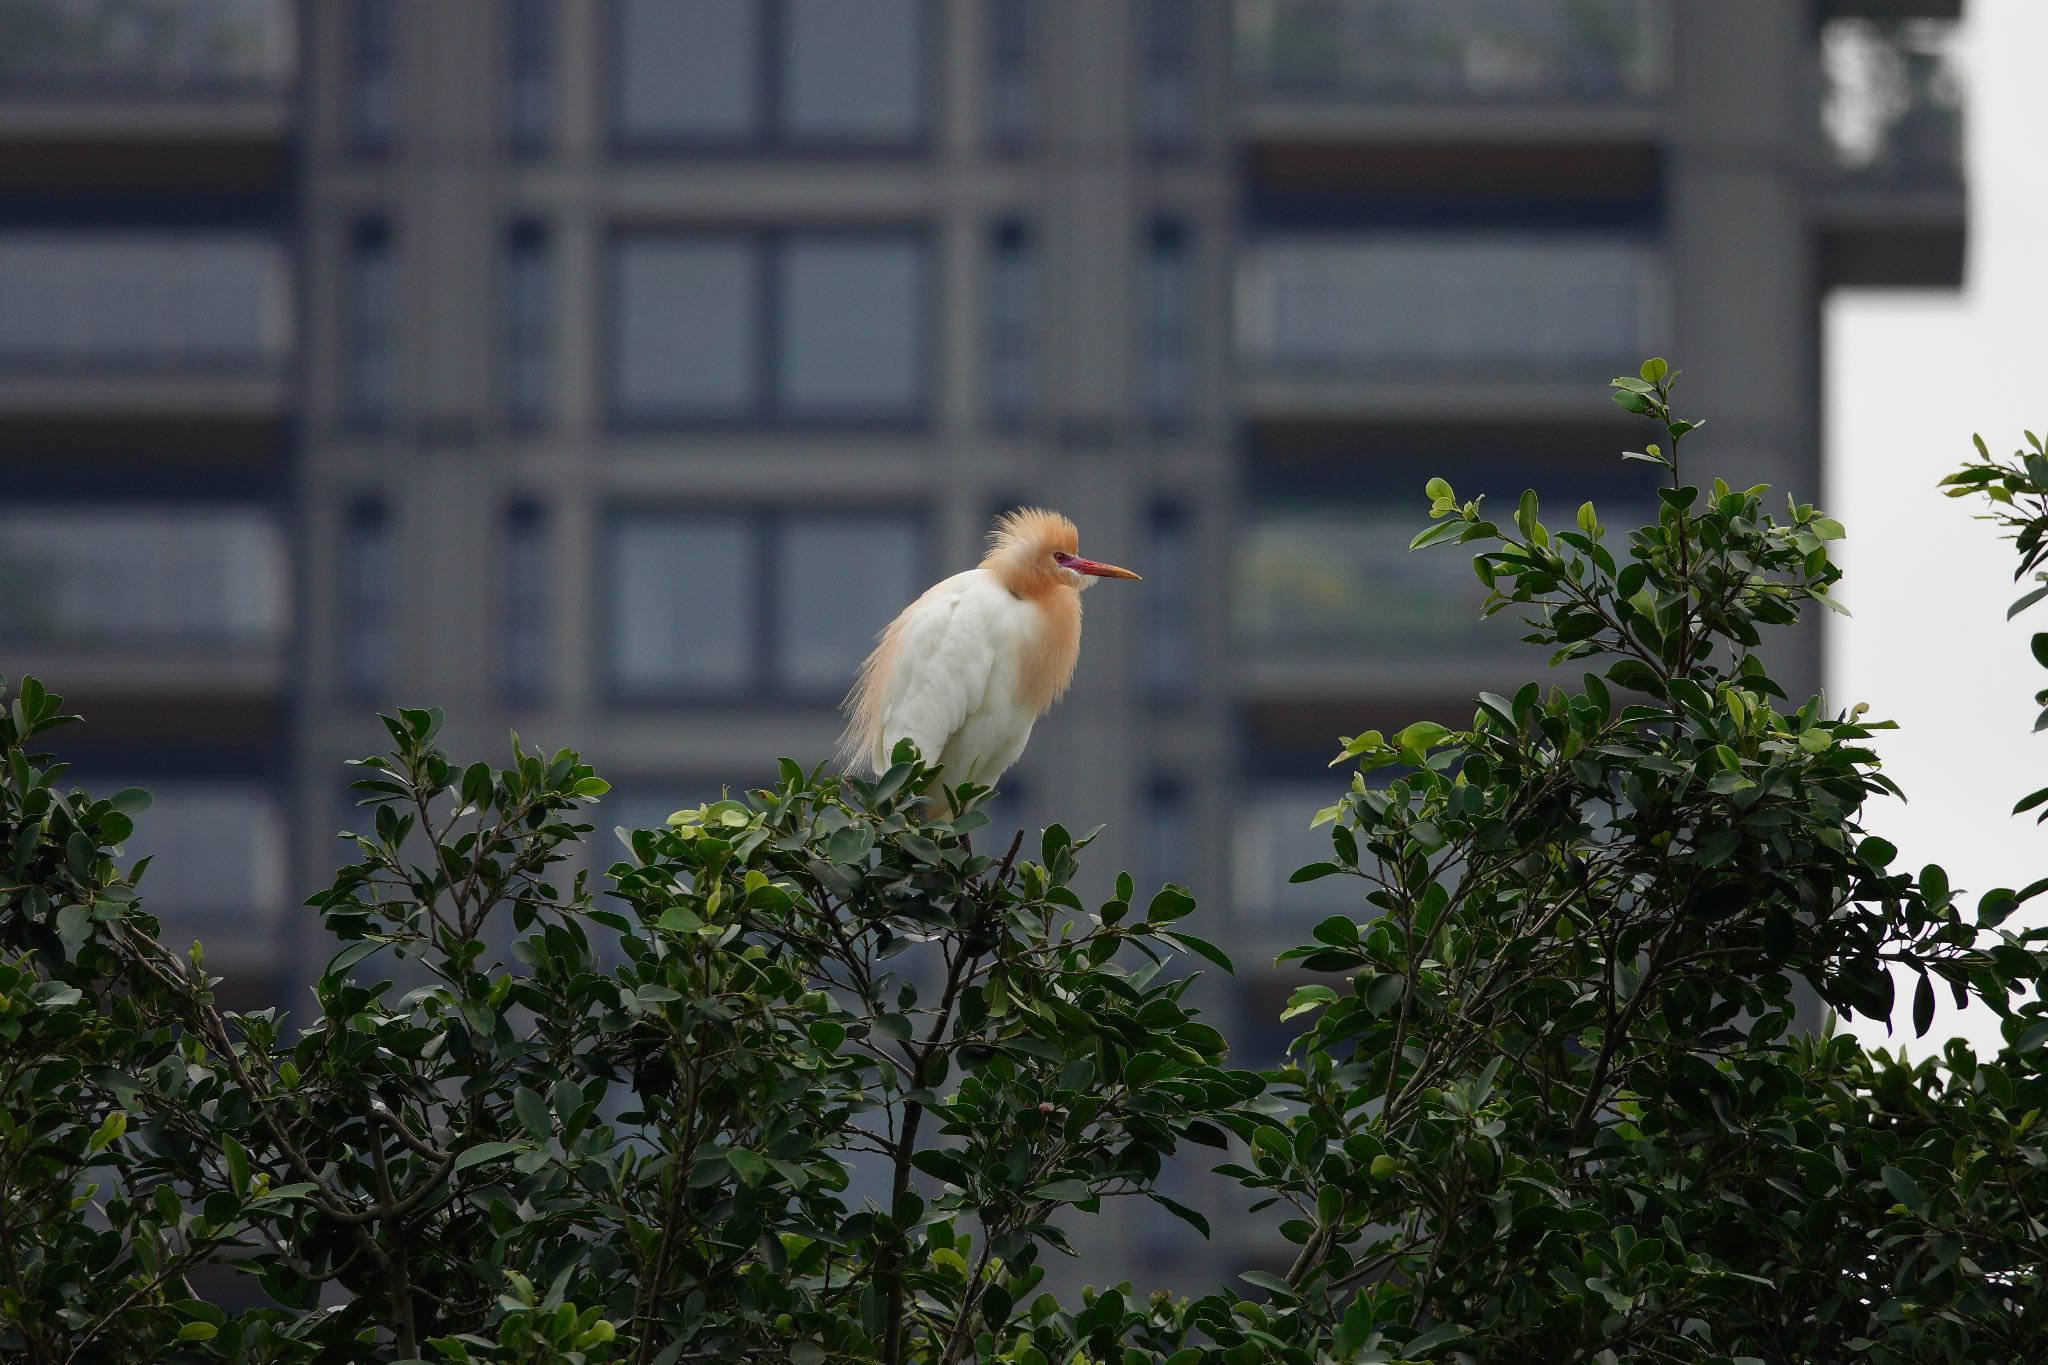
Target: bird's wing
[{"x": 930, "y": 672}]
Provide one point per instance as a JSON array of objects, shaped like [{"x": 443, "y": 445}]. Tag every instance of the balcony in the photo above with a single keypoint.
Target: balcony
[
  {"x": 130, "y": 323},
  {"x": 1383, "y": 325},
  {"x": 1891, "y": 197},
  {"x": 217, "y": 872},
  {"x": 152, "y": 601},
  {"x": 1331, "y": 602},
  {"x": 154, "y": 75},
  {"x": 1514, "y": 68}
]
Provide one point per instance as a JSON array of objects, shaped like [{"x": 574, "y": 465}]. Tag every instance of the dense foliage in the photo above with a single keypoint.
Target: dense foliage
[{"x": 815, "y": 1078}]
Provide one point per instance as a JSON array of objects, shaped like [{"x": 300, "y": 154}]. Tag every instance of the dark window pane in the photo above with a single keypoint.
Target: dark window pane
[
  {"x": 1013, "y": 72},
  {"x": 1012, "y": 323},
  {"x": 838, "y": 582},
  {"x": 529, "y": 324},
  {"x": 1170, "y": 568},
  {"x": 375, "y": 97},
  {"x": 684, "y": 600},
  {"x": 1168, "y": 845},
  {"x": 526, "y": 601},
  {"x": 530, "y": 75},
  {"x": 367, "y": 644},
  {"x": 688, "y": 70},
  {"x": 850, "y": 328},
  {"x": 1168, "y": 323},
  {"x": 685, "y": 310},
  {"x": 372, "y": 320},
  {"x": 852, "y": 72},
  {"x": 1167, "y": 87}
]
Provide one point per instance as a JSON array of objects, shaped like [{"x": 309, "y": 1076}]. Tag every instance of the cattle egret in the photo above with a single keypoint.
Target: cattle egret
[{"x": 969, "y": 667}]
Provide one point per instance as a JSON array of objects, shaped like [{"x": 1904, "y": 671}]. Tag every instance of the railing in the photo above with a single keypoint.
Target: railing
[
  {"x": 1369, "y": 306},
  {"x": 1401, "y": 51},
  {"x": 1893, "y": 110},
  {"x": 154, "y": 302},
  {"x": 148, "y": 47},
  {"x": 92, "y": 577}
]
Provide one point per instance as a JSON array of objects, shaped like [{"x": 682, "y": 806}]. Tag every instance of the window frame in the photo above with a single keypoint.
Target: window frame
[
  {"x": 763, "y": 524},
  {"x": 771, "y": 135},
  {"x": 764, "y": 410}
]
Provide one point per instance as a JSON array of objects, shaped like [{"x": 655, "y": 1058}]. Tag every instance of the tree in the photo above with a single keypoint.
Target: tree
[{"x": 816, "y": 1080}]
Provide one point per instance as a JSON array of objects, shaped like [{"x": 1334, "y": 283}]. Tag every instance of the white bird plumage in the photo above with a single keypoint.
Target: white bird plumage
[{"x": 968, "y": 668}]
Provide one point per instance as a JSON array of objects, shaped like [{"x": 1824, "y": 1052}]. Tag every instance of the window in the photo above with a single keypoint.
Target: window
[
  {"x": 748, "y": 604},
  {"x": 217, "y": 868},
  {"x": 367, "y": 644},
  {"x": 375, "y": 96},
  {"x": 217, "y": 301},
  {"x": 526, "y": 601},
  {"x": 213, "y": 577},
  {"x": 1167, "y": 326},
  {"x": 529, "y": 86},
  {"x": 769, "y": 327},
  {"x": 1169, "y": 660},
  {"x": 839, "y": 581},
  {"x": 848, "y": 327},
  {"x": 1327, "y": 576},
  {"x": 1012, "y": 73},
  {"x": 1012, "y": 323},
  {"x": 1166, "y": 87},
  {"x": 372, "y": 323},
  {"x": 529, "y": 324},
  {"x": 800, "y": 73},
  {"x": 1529, "y": 303},
  {"x": 1169, "y": 844}
]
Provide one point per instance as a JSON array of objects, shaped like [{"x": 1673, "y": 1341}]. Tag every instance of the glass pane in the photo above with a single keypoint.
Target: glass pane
[
  {"x": 1168, "y": 323},
  {"x": 851, "y": 324},
  {"x": 1372, "y": 303},
  {"x": 154, "y": 576},
  {"x": 1170, "y": 567},
  {"x": 526, "y": 601},
  {"x": 688, "y": 70},
  {"x": 686, "y": 327},
  {"x": 529, "y": 83},
  {"x": 373, "y": 305},
  {"x": 376, "y": 84},
  {"x": 528, "y": 325},
  {"x": 853, "y": 72},
  {"x": 838, "y": 583},
  {"x": 1012, "y": 75},
  {"x": 217, "y": 865},
  {"x": 367, "y": 645},
  {"x": 1271, "y": 839},
  {"x": 1012, "y": 314},
  {"x": 684, "y": 599},
  {"x": 130, "y": 300}
]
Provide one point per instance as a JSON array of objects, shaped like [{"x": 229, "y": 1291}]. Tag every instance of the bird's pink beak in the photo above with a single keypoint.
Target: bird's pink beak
[{"x": 1091, "y": 567}]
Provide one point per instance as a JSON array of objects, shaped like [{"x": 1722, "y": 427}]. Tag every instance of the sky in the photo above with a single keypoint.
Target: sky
[{"x": 1909, "y": 376}]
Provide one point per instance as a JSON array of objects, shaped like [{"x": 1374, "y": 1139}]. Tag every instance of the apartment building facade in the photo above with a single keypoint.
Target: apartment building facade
[{"x": 611, "y": 371}]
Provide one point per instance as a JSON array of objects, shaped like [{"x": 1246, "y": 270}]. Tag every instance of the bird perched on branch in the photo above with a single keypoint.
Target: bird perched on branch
[{"x": 969, "y": 667}]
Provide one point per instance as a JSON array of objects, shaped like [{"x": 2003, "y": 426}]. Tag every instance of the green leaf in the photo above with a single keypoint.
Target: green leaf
[
  {"x": 533, "y": 1113},
  {"x": 1067, "y": 1191},
  {"x": 1903, "y": 1187},
  {"x": 487, "y": 1151},
  {"x": 1654, "y": 369}
]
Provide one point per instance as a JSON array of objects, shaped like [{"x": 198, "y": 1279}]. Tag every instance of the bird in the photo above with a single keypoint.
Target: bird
[{"x": 968, "y": 668}]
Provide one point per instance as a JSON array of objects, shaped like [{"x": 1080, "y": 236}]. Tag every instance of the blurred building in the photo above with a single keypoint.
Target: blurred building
[{"x": 612, "y": 371}]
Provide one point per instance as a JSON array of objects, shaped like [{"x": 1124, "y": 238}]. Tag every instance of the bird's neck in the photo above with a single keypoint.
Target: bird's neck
[{"x": 1051, "y": 652}]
